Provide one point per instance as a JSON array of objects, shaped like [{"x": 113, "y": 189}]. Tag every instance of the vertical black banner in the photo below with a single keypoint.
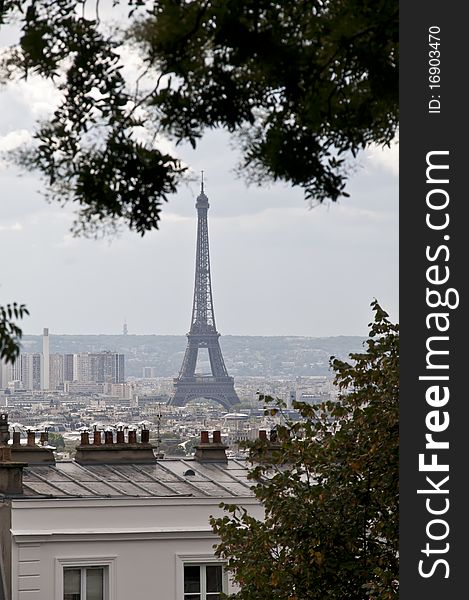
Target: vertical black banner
[{"x": 434, "y": 246}]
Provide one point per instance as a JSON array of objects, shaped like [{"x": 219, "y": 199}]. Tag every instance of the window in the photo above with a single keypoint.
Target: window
[
  {"x": 84, "y": 583},
  {"x": 203, "y": 582}
]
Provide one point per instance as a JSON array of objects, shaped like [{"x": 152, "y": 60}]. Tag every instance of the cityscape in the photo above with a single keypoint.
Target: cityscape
[
  {"x": 65, "y": 393},
  {"x": 196, "y": 401},
  {"x": 84, "y": 388}
]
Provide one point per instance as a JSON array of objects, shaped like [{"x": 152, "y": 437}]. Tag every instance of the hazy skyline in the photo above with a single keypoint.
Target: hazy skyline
[{"x": 278, "y": 268}]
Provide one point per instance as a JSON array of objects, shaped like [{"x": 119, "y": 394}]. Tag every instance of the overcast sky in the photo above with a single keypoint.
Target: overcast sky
[{"x": 278, "y": 267}]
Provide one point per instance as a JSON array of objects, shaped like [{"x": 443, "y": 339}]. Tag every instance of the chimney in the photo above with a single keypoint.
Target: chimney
[
  {"x": 11, "y": 471},
  {"x": 119, "y": 451},
  {"x": 268, "y": 450},
  {"x": 211, "y": 452},
  {"x": 30, "y": 453},
  {"x": 31, "y": 438},
  {"x": 108, "y": 438},
  {"x": 84, "y": 438}
]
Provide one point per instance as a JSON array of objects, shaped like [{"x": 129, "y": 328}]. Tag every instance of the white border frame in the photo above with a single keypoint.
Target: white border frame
[{"x": 108, "y": 562}]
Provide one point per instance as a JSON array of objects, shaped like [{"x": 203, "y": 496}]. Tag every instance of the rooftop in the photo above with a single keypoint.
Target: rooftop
[{"x": 165, "y": 478}]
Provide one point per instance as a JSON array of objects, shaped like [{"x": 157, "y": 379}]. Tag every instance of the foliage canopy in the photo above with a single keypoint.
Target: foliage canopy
[
  {"x": 303, "y": 85},
  {"x": 329, "y": 490},
  {"x": 10, "y": 332}
]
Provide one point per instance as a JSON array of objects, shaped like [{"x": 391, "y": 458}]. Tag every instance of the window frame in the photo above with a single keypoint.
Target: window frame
[
  {"x": 199, "y": 560},
  {"x": 82, "y": 562}
]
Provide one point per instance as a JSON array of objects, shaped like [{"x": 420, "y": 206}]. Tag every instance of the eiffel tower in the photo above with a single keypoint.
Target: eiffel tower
[{"x": 218, "y": 386}]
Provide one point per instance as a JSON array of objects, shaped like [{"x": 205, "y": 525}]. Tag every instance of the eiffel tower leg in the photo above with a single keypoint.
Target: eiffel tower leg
[
  {"x": 190, "y": 360},
  {"x": 217, "y": 364}
]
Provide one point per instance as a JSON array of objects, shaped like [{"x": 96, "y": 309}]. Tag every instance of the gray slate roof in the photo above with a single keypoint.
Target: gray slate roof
[{"x": 165, "y": 478}]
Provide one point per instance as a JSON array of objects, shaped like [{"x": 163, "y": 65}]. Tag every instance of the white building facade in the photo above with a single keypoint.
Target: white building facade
[{"x": 111, "y": 526}]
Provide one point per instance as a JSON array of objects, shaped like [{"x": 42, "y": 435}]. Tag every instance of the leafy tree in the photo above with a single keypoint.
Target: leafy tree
[
  {"x": 329, "y": 489},
  {"x": 10, "y": 332},
  {"x": 302, "y": 84},
  {"x": 57, "y": 440}
]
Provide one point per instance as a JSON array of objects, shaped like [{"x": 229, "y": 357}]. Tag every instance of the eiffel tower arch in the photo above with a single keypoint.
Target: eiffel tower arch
[{"x": 218, "y": 386}]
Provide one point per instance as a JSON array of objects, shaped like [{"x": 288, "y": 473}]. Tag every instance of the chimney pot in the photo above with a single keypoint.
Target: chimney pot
[
  {"x": 108, "y": 437},
  {"x": 43, "y": 438},
  {"x": 132, "y": 436},
  {"x": 120, "y": 437},
  {"x": 4, "y": 430},
  {"x": 145, "y": 436},
  {"x": 16, "y": 438},
  {"x": 31, "y": 439},
  {"x": 85, "y": 438},
  {"x": 207, "y": 452},
  {"x": 97, "y": 438}
]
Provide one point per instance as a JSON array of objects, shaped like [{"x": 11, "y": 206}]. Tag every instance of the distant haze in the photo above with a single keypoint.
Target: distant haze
[{"x": 270, "y": 356}]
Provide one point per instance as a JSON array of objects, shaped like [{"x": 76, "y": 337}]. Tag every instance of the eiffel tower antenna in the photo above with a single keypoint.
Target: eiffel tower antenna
[{"x": 218, "y": 386}]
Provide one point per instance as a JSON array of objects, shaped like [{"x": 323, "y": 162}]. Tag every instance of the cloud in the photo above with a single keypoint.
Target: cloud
[
  {"x": 384, "y": 157},
  {"x": 11, "y": 227},
  {"x": 13, "y": 139},
  {"x": 37, "y": 97}
]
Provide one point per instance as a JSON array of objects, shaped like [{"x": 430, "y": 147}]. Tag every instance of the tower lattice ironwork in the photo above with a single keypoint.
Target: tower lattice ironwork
[{"x": 218, "y": 386}]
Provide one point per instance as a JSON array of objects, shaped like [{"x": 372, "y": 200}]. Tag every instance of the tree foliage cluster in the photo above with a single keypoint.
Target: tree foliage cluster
[
  {"x": 302, "y": 84},
  {"x": 10, "y": 332},
  {"x": 57, "y": 440},
  {"x": 329, "y": 490}
]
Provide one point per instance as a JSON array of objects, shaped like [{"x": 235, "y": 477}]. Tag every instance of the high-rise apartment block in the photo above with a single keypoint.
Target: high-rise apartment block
[
  {"x": 35, "y": 372},
  {"x": 68, "y": 367},
  {"x": 31, "y": 367},
  {"x": 56, "y": 371},
  {"x": 100, "y": 367},
  {"x": 45, "y": 360}
]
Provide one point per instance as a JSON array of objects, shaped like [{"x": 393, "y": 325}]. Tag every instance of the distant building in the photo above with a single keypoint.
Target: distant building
[
  {"x": 56, "y": 371},
  {"x": 149, "y": 372},
  {"x": 31, "y": 368},
  {"x": 83, "y": 387},
  {"x": 312, "y": 399},
  {"x": 45, "y": 360},
  {"x": 118, "y": 390},
  {"x": 9, "y": 372},
  {"x": 100, "y": 367},
  {"x": 68, "y": 367}
]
